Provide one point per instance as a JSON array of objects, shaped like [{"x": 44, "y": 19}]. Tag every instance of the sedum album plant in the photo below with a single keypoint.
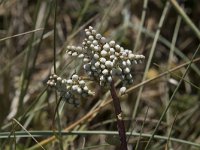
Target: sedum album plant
[{"x": 103, "y": 61}]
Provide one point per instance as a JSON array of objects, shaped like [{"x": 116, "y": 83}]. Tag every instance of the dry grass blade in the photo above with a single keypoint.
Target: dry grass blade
[
  {"x": 29, "y": 133},
  {"x": 20, "y": 34}
]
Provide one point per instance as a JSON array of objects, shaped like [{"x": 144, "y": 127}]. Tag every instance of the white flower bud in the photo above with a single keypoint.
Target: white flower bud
[
  {"x": 85, "y": 88},
  {"x": 82, "y": 83},
  {"x": 89, "y": 73},
  {"x": 109, "y": 79},
  {"x": 89, "y": 42},
  {"x": 122, "y": 90},
  {"x": 51, "y": 83},
  {"x": 124, "y": 64},
  {"x": 103, "y": 53},
  {"x": 90, "y": 93},
  {"x": 74, "y": 54},
  {"x": 124, "y": 54},
  {"x": 96, "y": 56},
  {"x": 80, "y": 55},
  {"x": 103, "y": 66},
  {"x": 106, "y": 47},
  {"x": 87, "y": 67},
  {"x": 126, "y": 70},
  {"x": 98, "y": 36},
  {"x": 75, "y": 77},
  {"x": 88, "y": 33},
  {"x": 112, "y": 43},
  {"x": 94, "y": 32},
  {"x": 102, "y": 78},
  {"x": 112, "y": 57},
  {"x": 131, "y": 56},
  {"x": 96, "y": 48},
  {"x": 137, "y": 56},
  {"x": 73, "y": 47},
  {"x": 92, "y": 46},
  {"x": 55, "y": 76},
  {"x": 109, "y": 64},
  {"x": 95, "y": 42},
  {"x": 117, "y": 47},
  {"x": 64, "y": 81},
  {"x": 90, "y": 28},
  {"x": 93, "y": 68},
  {"x": 102, "y": 60},
  {"x": 69, "y": 52},
  {"x": 78, "y": 48},
  {"x": 59, "y": 78},
  {"x": 121, "y": 49},
  {"x": 112, "y": 50},
  {"x": 86, "y": 60},
  {"x": 97, "y": 64},
  {"x": 83, "y": 43},
  {"x": 68, "y": 87},
  {"x": 128, "y": 51},
  {"x": 69, "y": 81},
  {"x": 48, "y": 82},
  {"x": 128, "y": 62},
  {"x": 103, "y": 40},
  {"x": 79, "y": 90},
  {"x": 105, "y": 72},
  {"x": 74, "y": 87},
  {"x": 68, "y": 47},
  {"x": 91, "y": 38}
]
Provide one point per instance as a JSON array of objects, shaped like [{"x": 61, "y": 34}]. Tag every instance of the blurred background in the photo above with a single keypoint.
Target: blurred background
[{"x": 29, "y": 32}]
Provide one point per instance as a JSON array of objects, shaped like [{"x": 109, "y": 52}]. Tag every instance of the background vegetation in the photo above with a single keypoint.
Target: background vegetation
[{"x": 164, "y": 99}]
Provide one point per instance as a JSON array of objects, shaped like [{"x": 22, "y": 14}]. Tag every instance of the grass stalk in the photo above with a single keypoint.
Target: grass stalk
[
  {"x": 92, "y": 132},
  {"x": 171, "y": 54},
  {"x": 138, "y": 141},
  {"x": 141, "y": 25},
  {"x": 25, "y": 74}
]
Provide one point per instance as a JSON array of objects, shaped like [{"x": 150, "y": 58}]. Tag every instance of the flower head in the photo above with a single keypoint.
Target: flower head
[
  {"x": 71, "y": 90},
  {"x": 104, "y": 60}
]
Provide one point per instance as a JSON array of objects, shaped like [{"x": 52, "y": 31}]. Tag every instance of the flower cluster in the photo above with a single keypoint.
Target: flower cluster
[
  {"x": 104, "y": 60},
  {"x": 71, "y": 90}
]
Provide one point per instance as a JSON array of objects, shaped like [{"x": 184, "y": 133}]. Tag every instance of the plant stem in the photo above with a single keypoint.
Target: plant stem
[{"x": 118, "y": 113}]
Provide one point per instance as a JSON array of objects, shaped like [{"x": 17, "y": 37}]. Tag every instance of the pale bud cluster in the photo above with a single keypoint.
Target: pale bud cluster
[
  {"x": 104, "y": 60},
  {"x": 71, "y": 90}
]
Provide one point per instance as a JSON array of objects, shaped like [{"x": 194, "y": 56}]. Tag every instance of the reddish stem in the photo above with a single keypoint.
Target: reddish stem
[{"x": 118, "y": 113}]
